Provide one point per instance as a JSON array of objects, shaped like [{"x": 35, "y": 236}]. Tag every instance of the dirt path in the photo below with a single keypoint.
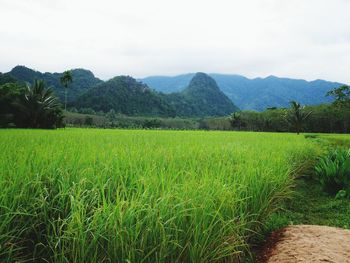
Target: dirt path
[{"x": 308, "y": 243}]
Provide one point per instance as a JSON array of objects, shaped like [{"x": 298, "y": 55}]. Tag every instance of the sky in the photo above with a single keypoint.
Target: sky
[{"x": 308, "y": 39}]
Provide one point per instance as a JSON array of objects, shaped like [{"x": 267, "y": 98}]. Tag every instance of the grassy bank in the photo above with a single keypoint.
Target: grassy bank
[
  {"x": 310, "y": 204},
  {"x": 89, "y": 195}
]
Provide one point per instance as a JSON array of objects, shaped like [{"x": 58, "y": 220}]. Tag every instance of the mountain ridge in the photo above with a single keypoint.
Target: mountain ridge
[
  {"x": 83, "y": 79},
  {"x": 255, "y": 93},
  {"x": 126, "y": 95},
  {"x": 202, "y": 97},
  {"x": 246, "y": 93}
]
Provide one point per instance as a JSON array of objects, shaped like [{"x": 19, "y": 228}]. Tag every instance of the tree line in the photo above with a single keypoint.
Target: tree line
[
  {"x": 327, "y": 118},
  {"x": 34, "y": 105}
]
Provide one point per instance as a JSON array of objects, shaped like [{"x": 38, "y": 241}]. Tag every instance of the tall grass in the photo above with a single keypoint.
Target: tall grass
[{"x": 80, "y": 195}]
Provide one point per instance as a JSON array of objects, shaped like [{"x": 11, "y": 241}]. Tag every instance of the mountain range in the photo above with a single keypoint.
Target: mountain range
[
  {"x": 124, "y": 94},
  {"x": 183, "y": 95},
  {"x": 254, "y": 94},
  {"x": 82, "y": 80}
]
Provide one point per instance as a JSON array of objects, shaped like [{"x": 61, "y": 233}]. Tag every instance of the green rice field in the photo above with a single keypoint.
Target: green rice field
[{"x": 94, "y": 195}]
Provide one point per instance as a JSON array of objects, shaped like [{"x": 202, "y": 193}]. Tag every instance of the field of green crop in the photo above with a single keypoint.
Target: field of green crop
[{"x": 89, "y": 195}]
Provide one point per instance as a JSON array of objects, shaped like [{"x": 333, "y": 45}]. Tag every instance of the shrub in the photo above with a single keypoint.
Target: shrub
[{"x": 333, "y": 170}]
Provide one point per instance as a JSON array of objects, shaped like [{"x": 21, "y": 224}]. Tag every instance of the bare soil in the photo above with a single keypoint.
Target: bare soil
[{"x": 307, "y": 243}]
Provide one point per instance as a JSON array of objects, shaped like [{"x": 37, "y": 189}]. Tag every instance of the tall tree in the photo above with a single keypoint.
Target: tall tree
[
  {"x": 236, "y": 120},
  {"x": 342, "y": 103},
  {"x": 296, "y": 116},
  {"x": 9, "y": 93},
  {"x": 341, "y": 95},
  {"x": 65, "y": 80}
]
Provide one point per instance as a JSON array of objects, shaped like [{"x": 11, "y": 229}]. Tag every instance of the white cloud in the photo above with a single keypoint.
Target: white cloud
[{"x": 294, "y": 38}]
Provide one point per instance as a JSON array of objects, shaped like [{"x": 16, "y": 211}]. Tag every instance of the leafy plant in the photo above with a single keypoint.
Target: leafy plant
[
  {"x": 297, "y": 116},
  {"x": 341, "y": 95},
  {"x": 341, "y": 194},
  {"x": 39, "y": 107},
  {"x": 333, "y": 170},
  {"x": 65, "y": 80}
]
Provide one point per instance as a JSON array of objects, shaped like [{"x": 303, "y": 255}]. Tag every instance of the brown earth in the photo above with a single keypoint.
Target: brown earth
[{"x": 307, "y": 243}]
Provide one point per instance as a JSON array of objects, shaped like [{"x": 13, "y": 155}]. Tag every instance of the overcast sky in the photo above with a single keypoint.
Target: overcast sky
[{"x": 307, "y": 39}]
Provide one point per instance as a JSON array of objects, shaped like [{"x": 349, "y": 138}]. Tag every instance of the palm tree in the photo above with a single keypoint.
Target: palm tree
[
  {"x": 236, "y": 120},
  {"x": 296, "y": 116},
  {"x": 39, "y": 107},
  {"x": 65, "y": 80}
]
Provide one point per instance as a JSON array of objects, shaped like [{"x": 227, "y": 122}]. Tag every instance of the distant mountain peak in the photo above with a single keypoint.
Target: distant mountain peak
[
  {"x": 202, "y": 81},
  {"x": 271, "y": 77},
  {"x": 205, "y": 98},
  {"x": 253, "y": 94}
]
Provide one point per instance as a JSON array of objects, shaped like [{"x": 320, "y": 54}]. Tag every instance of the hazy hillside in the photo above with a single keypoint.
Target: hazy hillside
[
  {"x": 202, "y": 97},
  {"x": 6, "y": 78},
  {"x": 168, "y": 84},
  {"x": 82, "y": 80},
  {"x": 256, "y": 94}
]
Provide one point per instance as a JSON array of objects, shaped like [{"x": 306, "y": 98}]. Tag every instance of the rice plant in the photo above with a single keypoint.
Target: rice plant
[
  {"x": 333, "y": 170},
  {"x": 89, "y": 195}
]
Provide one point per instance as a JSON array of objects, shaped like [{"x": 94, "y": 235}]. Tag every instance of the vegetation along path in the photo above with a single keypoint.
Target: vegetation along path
[{"x": 311, "y": 227}]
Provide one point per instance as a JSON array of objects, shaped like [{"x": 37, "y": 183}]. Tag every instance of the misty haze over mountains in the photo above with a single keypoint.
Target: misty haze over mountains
[{"x": 254, "y": 94}]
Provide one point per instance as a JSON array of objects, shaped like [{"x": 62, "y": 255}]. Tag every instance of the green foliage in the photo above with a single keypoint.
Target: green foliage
[
  {"x": 83, "y": 80},
  {"x": 341, "y": 95},
  {"x": 65, "y": 80},
  {"x": 254, "y": 94},
  {"x": 201, "y": 98},
  {"x": 6, "y": 78},
  {"x": 89, "y": 121},
  {"x": 324, "y": 119},
  {"x": 39, "y": 108},
  {"x": 342, "y": 194},
  {"x": 114, "y": 120},
  {"x": 111, "y": 115},
  {"x": 333, "y": 170},
  {"x": 312, "y": 206},
  {"x": 125, "y": 96},
  {"x": 9, "y": 93},
  {"x": 296, "y": 116},
  {"x": 236, "y": 120},
  {"x": 30, "y": 106}
]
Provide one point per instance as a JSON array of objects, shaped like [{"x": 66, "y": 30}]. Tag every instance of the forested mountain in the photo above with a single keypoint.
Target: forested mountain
[
  {"x": 202, "y": 97},
  {"x": 254, "y": 94},
  {"x": 82, "y": 80},
  {"x": 6, "y": 78},
  {"x": 125, "y": 95},
  {"x": 247, "y": 94}
]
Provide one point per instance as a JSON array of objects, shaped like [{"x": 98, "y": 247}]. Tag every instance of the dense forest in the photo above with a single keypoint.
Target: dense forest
[{"x": 124, "y": 95}]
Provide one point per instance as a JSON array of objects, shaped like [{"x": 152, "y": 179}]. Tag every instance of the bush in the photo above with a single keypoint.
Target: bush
[{"x": 333, "y": 170}]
